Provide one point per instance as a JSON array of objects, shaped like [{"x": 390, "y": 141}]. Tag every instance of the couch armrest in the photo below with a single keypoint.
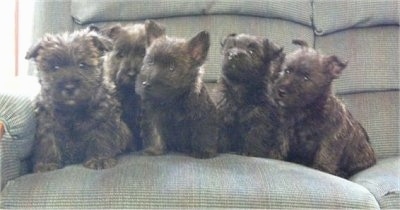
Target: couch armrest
[{"x": 17, "y": 125}]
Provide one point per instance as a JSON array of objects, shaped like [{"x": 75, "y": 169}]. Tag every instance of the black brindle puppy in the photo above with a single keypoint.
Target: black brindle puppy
[
  {"x": 122, "y": 65},
  {"x": 178, "y": 112},
  {"x": 78, "y": 120},
  {"x": 249, "y": 121},
  {"x": 322, "y": 132}
]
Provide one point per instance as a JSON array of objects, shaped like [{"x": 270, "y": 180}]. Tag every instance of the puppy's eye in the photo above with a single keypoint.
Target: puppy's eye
[
  {"x": 56, "y": 67},
  {"x": 119, "y": 54},
  {"x": 252, "y": 48},
  {"x": 288, "y": 71},
  {"x": 306, "y": 78},
  {"x": 141, "y": 51},
  {"x": 150, "y": 61},
  {"x": 83, "y": 66},
  {"x": 171, "y": 67}
]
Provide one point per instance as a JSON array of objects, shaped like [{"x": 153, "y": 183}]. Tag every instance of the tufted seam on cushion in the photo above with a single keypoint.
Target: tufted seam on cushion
[
  {"x": 89, "y": 11},
  {"x": 381, "y": 193},
  {"x": 353, "y": 14}
]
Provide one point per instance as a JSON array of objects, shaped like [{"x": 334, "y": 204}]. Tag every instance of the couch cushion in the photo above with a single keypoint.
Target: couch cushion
[
  {"x": 382, "y": 180},
  {"x": 89, "y": 11},
  {"x": 51, "y": 17},
  {"x": 331, "y": 16},
  {"x": 379, "y": 113},
  {"x": 372, "y": 55},
  {"x": 178, "y": 181}
]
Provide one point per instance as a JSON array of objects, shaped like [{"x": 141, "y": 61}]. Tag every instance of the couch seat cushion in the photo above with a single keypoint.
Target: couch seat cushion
[
  {"x": 383, "y": 181},
  {"x": 178, "y": 181}
]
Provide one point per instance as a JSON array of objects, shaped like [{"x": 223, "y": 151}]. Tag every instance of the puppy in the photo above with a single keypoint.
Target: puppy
[
  {"x": 122, "y": 65},
  {"x": 178, "y": 112},
  {"x": 78, "y": 120},
  {"x": 249, "y": 121},
  {"x": 322, "y": 132}
]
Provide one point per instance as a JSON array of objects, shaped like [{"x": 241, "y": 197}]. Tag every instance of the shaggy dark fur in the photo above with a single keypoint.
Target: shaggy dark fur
[
  {"x": 122, "y": 65},
  {"x": 178, "y": 112},
  {"x": 321, "y": 131},
  {"x": 250, "y": 123},
  {"x": 78, "y": 120}
]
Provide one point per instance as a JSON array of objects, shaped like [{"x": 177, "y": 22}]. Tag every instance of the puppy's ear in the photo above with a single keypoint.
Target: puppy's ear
[
  {"x": 93, "y": 27},
  {"x": 112, "y": 31},
  {"x": 224, "y": 40},
  {"x": 154, "y": 30},
  {"x": 334, "y": 65},
  {"x": 272, "y": 50},
  {"x": 102, "y": 43},
  {"x": 198, "y": 47},
  {"x": 300, "y": 42},
  {"x": 34, "y": 51}
]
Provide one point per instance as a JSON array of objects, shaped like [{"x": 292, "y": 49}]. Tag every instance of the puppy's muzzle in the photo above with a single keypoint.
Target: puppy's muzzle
[
  {"x": 70, "y": 88},
  {"x": 146, "y": 84},
  {"x": 232, "y": 54}
]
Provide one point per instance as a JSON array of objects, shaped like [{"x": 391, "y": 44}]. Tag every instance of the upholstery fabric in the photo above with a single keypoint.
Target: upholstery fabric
[
  {"x": 379, "y": 113},
  {"x": 372, "y": 54},
  {"x": 178, "y": 181},
  {"x": 382, "y": 180},
  {"x": 85, "y": 11},
  {"x": 16, "y": 113},
  {"x": 60, "y": 21},
  {"x": 331, "y": 16}
]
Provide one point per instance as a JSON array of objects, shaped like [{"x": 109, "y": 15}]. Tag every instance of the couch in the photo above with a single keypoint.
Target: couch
[{"x": 364, "y": 32}]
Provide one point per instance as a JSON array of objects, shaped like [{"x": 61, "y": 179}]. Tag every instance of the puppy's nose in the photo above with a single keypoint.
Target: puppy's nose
[
  {"x": 281, "y": 92},
  {"x": 232, "y": 54},
  {"x": 69, "y": 87},
  {"x": 132, "y": 72}
]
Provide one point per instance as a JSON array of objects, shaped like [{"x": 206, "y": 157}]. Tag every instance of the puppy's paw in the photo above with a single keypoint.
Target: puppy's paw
[
  {"x": 98, "y": 163},
  {"x": 44, "y": 167},
  {"x": 153, "y": 151},
  {"x": 203, "y": 154}
]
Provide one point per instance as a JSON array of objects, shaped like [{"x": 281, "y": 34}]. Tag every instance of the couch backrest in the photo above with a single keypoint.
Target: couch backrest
[
  {"x": 186, "y": 18},
  {"x": 365, "y": 32}
]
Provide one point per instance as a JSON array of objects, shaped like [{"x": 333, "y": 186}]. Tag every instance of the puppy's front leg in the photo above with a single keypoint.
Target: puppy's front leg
[
  {"x": 152, "y": 138},
  {"x": 204, "y": 134},
  {"x": 105, "y": 143},
  {"x": 47, "y": 154},
  {"x": 329, "y": 156}
]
